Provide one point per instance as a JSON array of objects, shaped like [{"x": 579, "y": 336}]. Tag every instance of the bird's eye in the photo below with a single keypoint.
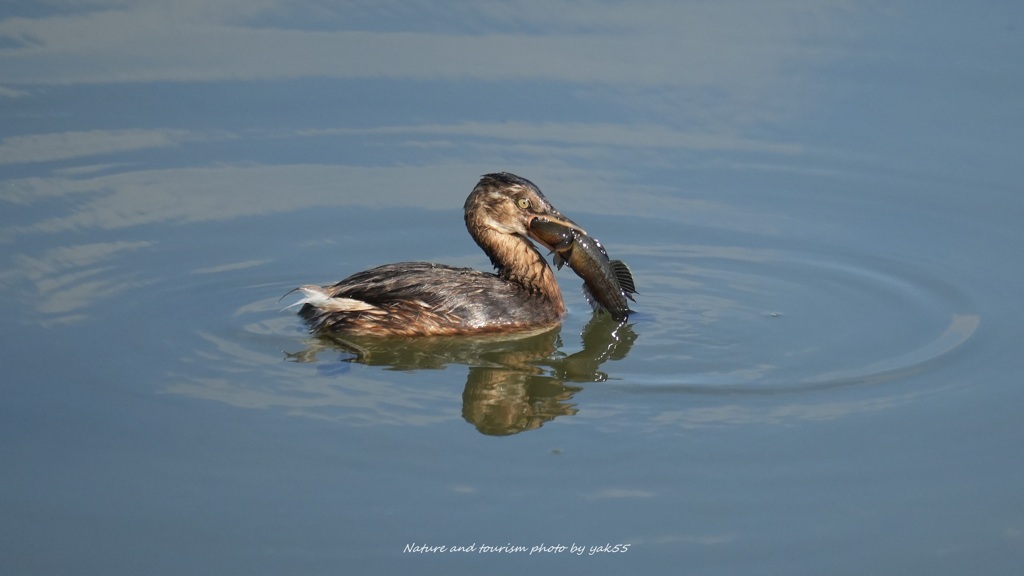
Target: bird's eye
[{"x": 524, "y": 203}]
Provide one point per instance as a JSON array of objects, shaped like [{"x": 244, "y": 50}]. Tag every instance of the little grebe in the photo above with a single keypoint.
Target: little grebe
[{"x": 423, "y": 299}]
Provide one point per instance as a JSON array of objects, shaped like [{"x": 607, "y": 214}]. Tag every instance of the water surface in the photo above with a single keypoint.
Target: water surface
[{"x": 819, "y": 202}]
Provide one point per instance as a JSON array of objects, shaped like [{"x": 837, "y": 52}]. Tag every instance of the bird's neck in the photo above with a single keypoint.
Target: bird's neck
[{"x": 517, "y": 260}]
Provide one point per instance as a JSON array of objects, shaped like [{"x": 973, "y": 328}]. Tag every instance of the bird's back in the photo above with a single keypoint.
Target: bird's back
[{"x": 420, "y": 298}]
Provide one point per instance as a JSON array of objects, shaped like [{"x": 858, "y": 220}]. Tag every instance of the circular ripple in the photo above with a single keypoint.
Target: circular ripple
[
  {"x": 762, "y": 320},
  {"x": 717, "y": 319}
]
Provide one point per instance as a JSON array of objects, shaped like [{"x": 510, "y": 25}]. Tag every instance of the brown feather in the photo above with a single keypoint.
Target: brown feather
[{"x": 420, "y": 299}]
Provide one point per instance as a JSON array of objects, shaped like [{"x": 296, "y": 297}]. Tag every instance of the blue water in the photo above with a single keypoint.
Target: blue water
[{"x": 820, "y": 203}]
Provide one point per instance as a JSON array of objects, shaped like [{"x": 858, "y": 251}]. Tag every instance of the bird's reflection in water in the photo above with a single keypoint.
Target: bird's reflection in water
[{"x": 514, "y": 383}]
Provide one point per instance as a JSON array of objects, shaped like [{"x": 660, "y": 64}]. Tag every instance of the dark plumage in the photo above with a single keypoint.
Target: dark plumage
[{"x": 419, "y": 298}]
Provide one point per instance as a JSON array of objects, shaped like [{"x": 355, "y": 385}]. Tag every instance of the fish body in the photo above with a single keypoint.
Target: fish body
[{"x": 607, "y": 283}]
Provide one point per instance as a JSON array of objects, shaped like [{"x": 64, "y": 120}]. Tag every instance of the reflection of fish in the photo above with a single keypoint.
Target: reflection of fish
[{"x": 607, "y": 283}]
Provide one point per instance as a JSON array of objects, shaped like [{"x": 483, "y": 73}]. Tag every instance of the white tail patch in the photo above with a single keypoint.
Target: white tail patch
[{"x": 319, "y": 298}]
